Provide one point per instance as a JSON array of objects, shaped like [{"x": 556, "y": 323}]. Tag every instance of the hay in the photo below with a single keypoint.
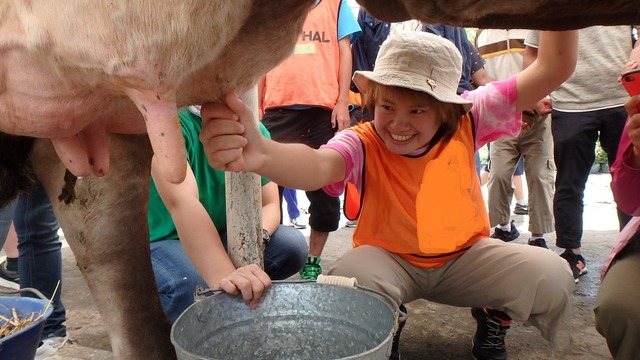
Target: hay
[{"x": 17, "y": 322}]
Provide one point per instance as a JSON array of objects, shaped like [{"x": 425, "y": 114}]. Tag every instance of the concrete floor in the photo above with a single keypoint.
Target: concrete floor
[{"x": 433, "y": 331}]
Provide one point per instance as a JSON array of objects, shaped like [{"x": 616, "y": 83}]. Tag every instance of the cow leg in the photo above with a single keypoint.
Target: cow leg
[{"x": 105, "y": 223}]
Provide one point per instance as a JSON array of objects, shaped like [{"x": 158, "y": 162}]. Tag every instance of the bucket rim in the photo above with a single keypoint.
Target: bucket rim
[
  {"x": 48, "y": 310},
  {"x": 381, "y": 296}
]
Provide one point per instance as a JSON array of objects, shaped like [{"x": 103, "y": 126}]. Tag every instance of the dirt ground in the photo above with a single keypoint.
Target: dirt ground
[{"x": 433, "y": 331}]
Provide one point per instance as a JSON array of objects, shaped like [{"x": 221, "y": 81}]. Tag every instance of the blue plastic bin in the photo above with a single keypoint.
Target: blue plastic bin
[{"x": 24, "y": 343}]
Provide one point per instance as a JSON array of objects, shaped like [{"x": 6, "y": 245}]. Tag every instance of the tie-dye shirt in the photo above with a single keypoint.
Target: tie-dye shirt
[{"x": 493, "y": 112}]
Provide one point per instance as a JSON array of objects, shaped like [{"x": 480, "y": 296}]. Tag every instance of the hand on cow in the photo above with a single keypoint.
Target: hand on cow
[
  {"x": 230, "y": 135},
  {"x": 251, "y": 281},
  {"x": 633, "y": 128}
]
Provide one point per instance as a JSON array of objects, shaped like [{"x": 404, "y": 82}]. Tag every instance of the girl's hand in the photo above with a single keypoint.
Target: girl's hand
[
  {"x": 230, "y": 135},
  {"x": 251, "y": 281}
]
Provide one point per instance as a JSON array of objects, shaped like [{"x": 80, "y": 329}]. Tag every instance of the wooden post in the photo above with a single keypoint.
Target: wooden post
[{"x": 244, "y": 209}]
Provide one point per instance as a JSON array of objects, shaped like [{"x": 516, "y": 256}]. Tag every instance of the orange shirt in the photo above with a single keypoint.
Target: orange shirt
[
  {"x": 310, "y": 75},
  {"x": 428, "y": 209}
]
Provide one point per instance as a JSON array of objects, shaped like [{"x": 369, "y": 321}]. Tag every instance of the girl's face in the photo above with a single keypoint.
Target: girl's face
[{"x": 404, "y": 122}]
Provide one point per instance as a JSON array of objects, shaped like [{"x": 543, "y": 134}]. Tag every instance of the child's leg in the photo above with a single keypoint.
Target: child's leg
[
  {"x": 176, "y": 277},
  {"x": 286, "y": 253},
  {"x": 389, "y": 276},
  {"x": 528, "y": 283}
]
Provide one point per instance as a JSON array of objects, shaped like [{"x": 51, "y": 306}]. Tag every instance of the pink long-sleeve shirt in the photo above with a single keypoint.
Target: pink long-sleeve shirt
[
  {"x": 625, "y": 185},
  {"x": 493, "y": 112}
]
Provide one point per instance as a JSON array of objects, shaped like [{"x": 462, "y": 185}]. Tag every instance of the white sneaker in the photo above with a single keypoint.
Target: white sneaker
[
  {"x": 50, "y": 346},
  {"x": 8, "y": 284},
  {"x": 297, "y": 224}
]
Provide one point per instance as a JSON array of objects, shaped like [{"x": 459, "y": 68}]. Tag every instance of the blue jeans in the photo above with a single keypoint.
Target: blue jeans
[
  {"x": 177, "y": 278},
  {"x": 291, "y": 197},
  {"x": 40, "y": 256}
]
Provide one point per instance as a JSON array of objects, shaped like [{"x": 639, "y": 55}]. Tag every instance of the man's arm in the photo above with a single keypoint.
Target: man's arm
[{"x": 340, "y": 115}]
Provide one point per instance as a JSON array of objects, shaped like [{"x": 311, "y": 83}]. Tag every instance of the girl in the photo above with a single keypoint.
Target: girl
[{"x": 423, "y": 230}]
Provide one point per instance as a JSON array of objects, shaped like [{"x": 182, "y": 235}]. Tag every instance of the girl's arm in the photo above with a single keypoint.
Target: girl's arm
[
  {"x": 233, "y": 142},
  {"x": 202, "y": 242},
  {"x": 556, "y": 61},
  {"x": 270, "y": 207}
]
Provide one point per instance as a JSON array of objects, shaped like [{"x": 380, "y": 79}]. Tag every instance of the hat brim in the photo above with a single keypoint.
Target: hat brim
[{"x": 362, "y": 79}]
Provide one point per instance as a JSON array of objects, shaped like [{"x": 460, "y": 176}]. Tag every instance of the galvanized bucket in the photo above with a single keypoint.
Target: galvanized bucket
[{"x": 297, "y": 320}]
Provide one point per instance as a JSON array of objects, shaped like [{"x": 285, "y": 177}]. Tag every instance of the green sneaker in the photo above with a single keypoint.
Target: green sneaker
[{"x": 311, "y": 269}]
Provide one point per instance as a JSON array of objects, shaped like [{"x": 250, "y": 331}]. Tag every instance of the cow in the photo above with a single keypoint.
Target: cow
[
  {"x": 508, "y": 14},
  {"x": 88, "y": 97},
  {"x": 92, "y": 89}
]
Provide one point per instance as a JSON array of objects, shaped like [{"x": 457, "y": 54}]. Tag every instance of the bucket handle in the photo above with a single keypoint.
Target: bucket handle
[
  {"x": 23, "y": 290},
  {"x": 353, "y": 283},
  {"x": 201, "y": 293},
  {"x": 337, "y": 280}
]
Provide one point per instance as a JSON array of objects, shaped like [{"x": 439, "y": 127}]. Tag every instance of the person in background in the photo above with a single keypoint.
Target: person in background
[
  {"x": 306, "y": 100},
  {"x": 187, "y": 225},
  {"x": 365, "y": 49},
  {"x": 588, "y": 107},
  {"x": 503, "y": 51},
  {"x": 39, "y": 261},
  {"x": 616, "y": 309},
  {"x": 291, "y": 198},
  {"x": 423, "y": 228}
]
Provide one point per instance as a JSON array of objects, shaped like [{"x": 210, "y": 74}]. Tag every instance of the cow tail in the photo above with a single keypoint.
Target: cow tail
[{"x": 16, "y": 175}]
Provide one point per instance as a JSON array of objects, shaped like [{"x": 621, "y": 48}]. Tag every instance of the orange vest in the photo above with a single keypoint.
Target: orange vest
[
  {"x": 310, "y": 75},
  {"x": 428, "y": 209}
]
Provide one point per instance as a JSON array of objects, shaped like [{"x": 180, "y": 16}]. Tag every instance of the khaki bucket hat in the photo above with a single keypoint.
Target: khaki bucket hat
[{"x": 419, "y": 61}]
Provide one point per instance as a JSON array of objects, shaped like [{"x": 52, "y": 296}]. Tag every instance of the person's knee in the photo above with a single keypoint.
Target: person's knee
[
  {"x": 615, "y": 311},
  {"x": 501, "y": 175},
  {"x": 554, "y": 272},
  {"x": 288, "y": 253}
]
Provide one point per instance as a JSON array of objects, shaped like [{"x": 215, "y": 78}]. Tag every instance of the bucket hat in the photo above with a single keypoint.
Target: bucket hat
[{"x": 419, "y": 61}]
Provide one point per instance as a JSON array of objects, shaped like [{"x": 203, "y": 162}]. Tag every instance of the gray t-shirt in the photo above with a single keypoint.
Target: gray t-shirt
[{"x": 602, "y": 53}]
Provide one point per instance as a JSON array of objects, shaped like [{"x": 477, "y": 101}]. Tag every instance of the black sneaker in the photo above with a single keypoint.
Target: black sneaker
[
  {"x": 521, "y": 209},
  {"x": 506, "y": 235},
  {"x": 488, "y": 342},
  {"x": 539, "y": 242},
  {"x": 577, "y": 263}
]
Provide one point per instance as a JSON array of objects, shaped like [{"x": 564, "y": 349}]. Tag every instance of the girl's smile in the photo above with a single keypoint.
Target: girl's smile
[{"x": 405, "y": 123}]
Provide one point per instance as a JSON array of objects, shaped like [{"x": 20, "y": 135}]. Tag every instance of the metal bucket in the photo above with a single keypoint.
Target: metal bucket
[
  {"x": 297, "y": 320},
  {"x": 22, "y": 345}
]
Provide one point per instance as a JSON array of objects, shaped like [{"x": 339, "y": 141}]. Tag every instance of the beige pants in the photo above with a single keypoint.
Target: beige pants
[
  {"x": 530, "y": 284},
  {"x": 536, "y": 145},
  {"x": 617, "y": 311}
]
